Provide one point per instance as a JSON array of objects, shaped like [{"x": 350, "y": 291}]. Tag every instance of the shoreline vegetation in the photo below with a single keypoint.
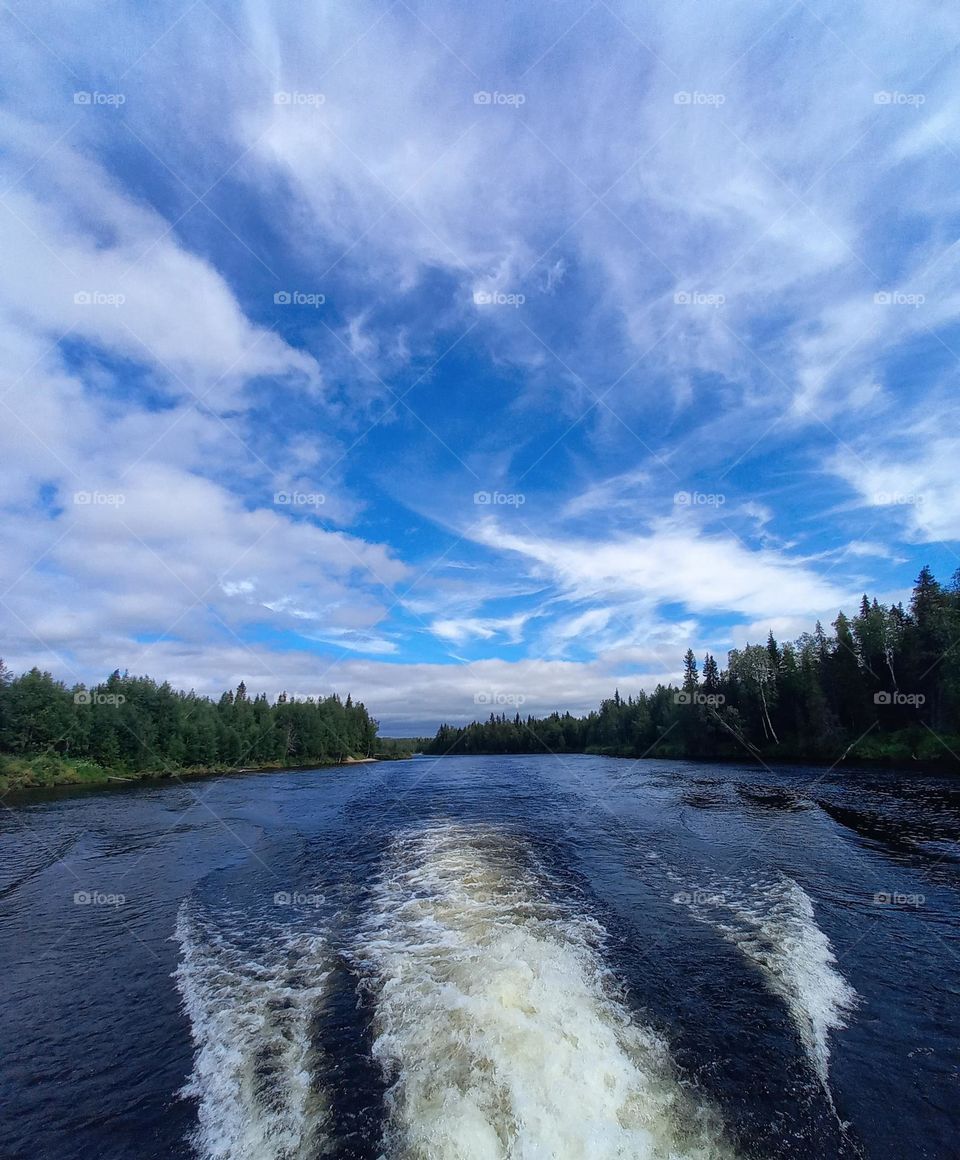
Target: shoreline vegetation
[
  {"x": 882, "y": 689},
  {"x": 48, "y": 771},
  {"x": 42, "y": 773},
  {"x": 131, "y": 729}
]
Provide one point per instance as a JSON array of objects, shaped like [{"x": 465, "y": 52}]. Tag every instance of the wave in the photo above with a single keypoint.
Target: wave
[
  {"x": 774, "y": 925},
  {"x": 498, "y": 1026},
  {"x": 251, "y": 1013},
  {"x": 26, "y": 864}
]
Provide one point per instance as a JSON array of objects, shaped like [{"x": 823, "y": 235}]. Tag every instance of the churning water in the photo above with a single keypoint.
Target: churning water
[{"x": 517, "y": 958}]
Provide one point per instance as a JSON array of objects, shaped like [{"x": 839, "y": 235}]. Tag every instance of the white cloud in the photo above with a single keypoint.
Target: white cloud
[
  {"x": 672, "y": 563},
  {"x": 481, "y": 628},
  {"x": 781, "y": 199},
  {"x": 620, "y": 492},
  {"x": 87, "y": 260},
  {"x": 914, "y": 489}
]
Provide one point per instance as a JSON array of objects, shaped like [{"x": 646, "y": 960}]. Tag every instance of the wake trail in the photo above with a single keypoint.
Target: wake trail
[
  {"x": 251, "y": 1014},
  {"x": 498, "y": 1024}
]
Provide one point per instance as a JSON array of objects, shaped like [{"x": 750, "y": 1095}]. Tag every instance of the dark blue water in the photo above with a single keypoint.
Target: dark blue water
[{"x": 484, "y": 957}]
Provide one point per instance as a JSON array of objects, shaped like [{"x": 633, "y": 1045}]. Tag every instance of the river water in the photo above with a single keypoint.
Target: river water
[{"x": 491, "y": 957}]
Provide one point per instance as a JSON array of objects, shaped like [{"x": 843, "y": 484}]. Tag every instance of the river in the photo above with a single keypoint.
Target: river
[{"x": 534, "y": 958}]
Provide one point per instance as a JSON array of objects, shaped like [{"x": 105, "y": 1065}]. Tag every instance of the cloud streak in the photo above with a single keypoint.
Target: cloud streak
[{"x": 384, "y": 259}]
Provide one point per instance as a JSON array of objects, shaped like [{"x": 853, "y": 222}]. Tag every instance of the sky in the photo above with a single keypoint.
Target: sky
[{"x": 469, "y": 357}]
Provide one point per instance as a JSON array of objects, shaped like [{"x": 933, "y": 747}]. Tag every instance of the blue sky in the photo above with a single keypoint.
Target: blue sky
[{"x": 448, "y": 355}]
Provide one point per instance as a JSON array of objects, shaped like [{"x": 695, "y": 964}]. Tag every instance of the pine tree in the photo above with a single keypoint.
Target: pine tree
[{"x": 691, "y": 678}]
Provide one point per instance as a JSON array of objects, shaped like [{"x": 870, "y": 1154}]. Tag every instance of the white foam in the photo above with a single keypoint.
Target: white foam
[
  {"x": 250, "y": 1014},
  {"x": 499, "y": 1026},
  {"x": 774, "y": 925}
]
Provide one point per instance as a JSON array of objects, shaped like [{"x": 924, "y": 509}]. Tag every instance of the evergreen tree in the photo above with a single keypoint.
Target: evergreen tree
[
  {"x": 865, "y": 689},
  {"x": 133, "y": 724}
]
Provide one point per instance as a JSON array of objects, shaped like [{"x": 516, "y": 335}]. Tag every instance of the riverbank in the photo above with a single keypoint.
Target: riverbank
[
  {"x": 48, "y": 770},
  {"x": 909, "y": 748},
  {"x": 906, "y": 749}
]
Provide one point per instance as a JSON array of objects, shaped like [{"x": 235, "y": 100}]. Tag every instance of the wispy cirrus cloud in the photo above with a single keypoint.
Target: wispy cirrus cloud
[{"x": 389, "y": 258}]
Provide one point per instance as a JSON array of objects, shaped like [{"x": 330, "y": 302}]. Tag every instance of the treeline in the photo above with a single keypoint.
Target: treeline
[
  {"x": 134, "y": 725},
  {"x": 395, "y": 748},
  {"x": 885, "y": 684}
]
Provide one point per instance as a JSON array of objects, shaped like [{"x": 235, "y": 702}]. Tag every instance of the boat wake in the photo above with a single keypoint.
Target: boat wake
[
  {"x": 251, "y": 1010},
  {"x": 499, "y": 1028},
  {"x": 773, "y": 924}
]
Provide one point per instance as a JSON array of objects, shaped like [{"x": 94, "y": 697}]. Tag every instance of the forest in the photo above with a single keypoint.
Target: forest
[
  {"x": 132, "y": 726},
  {"x": 883, "y": 685}
]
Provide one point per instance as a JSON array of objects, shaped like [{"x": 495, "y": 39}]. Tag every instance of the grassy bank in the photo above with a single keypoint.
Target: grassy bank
[{"x": 49, "y": 769}]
